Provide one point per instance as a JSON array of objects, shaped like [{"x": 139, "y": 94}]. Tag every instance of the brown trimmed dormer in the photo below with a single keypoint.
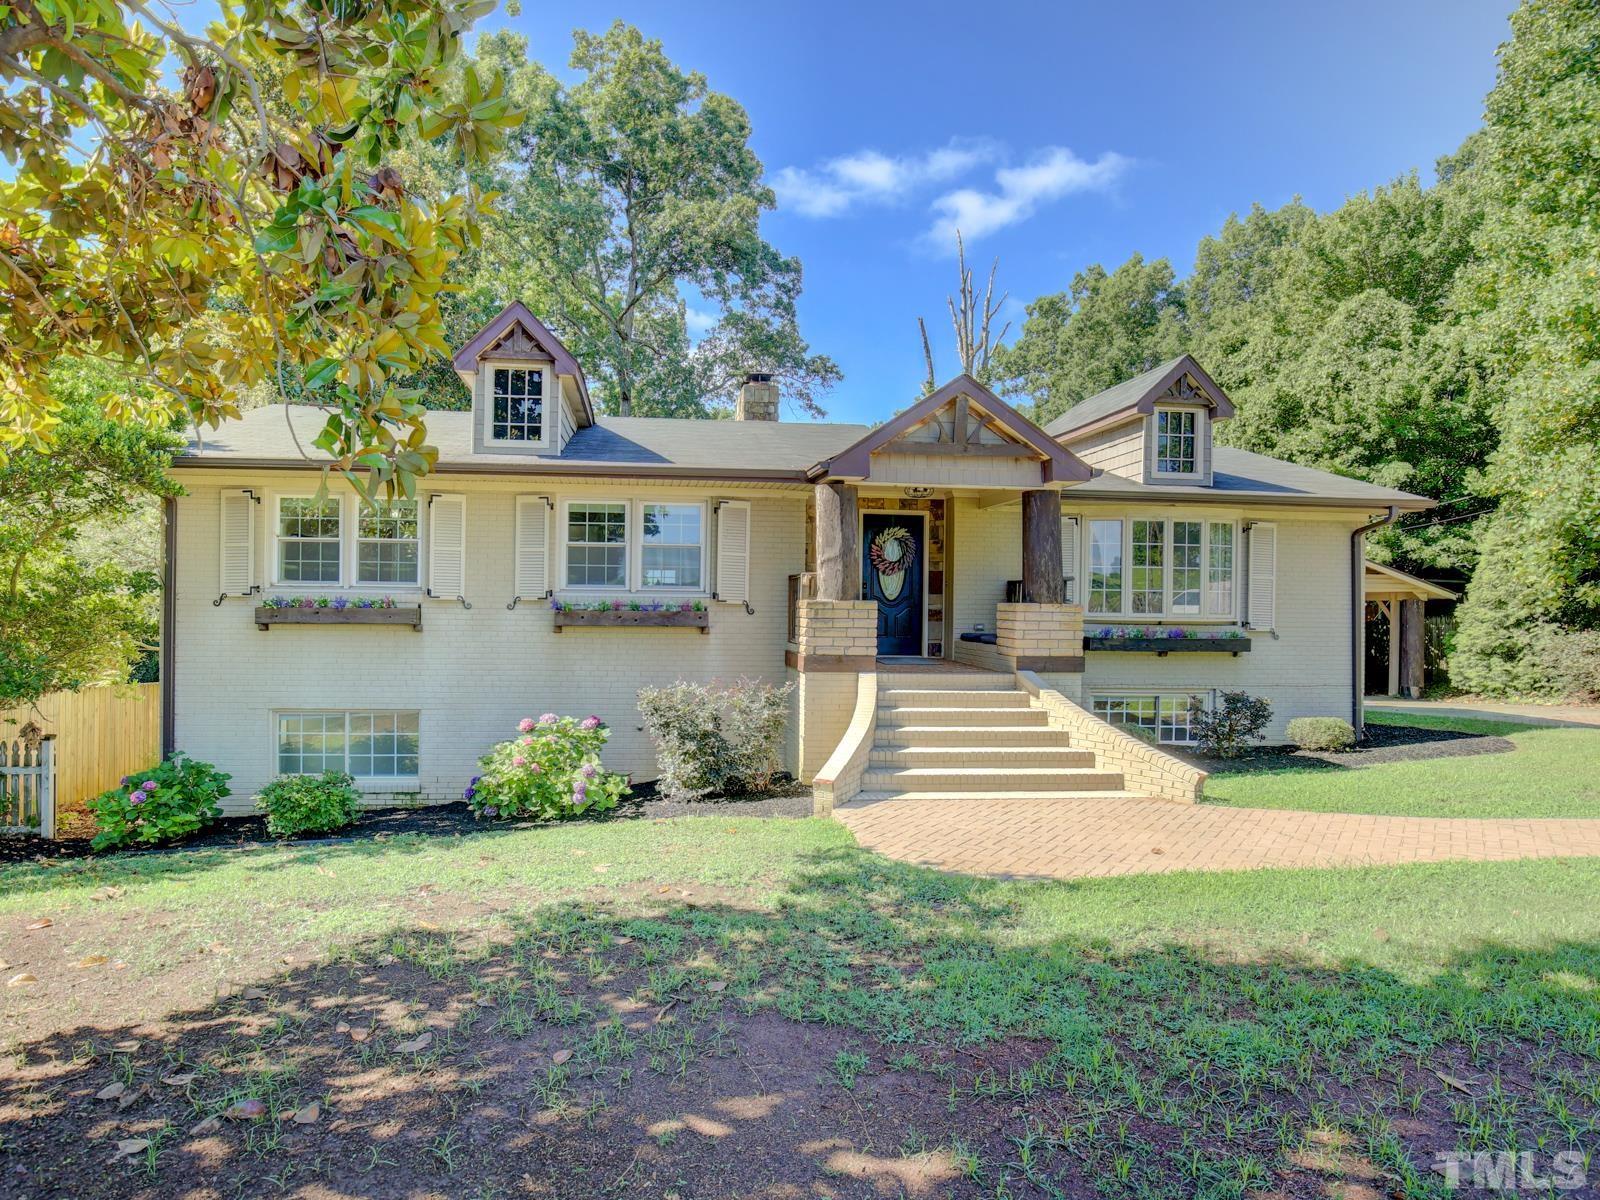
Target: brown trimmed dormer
[
  {"x": 1154, "y": 428},
  {"x": 529, "y": 395}
]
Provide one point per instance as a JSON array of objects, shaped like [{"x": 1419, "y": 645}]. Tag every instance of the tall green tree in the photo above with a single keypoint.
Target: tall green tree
[
  {"x": 1105, "y": 328},
  {"x": 623, "y": 193},
  {"x": 74, "y": 611},
  {"x": 1535, "y": 297}
]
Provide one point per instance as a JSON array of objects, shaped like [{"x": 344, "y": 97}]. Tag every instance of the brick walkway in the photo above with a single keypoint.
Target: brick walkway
[{"x": 1064, "y": 839}]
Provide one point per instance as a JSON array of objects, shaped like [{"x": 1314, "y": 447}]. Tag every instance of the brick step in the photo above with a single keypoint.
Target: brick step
[
  {"x": 998, "y": 779},
  {"x": 972, "y": 735},
  {"x": 923, "y": 755},
  {"x": 958, "y": 797},
  {"x": 952, "y": 698},
  {"x": 912, "y": 715},
  {"x": 971, "y": 681}
]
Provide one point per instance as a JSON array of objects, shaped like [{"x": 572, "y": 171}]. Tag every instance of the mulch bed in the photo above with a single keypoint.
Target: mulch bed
[
  {"x": 1382, "y": 744},
  {"x": 788, "y": 799}
]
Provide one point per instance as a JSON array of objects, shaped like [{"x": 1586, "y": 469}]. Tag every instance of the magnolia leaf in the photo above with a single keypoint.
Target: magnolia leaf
[
  {"x": 111, "y": 1091},
  {"x": 716, "y": 985},
  {"x": 246, "y": 1110},
  {"x": 183, "y": 1080},
  {"x": 42, "y": 923},
  {"x": 209, "y": 1125},
  {"x": 277, "y": 239},
  {"x": 94, "y": 960},
  {"x": 309, "y": 1115},
  {"x": 21, "y": 978},
  {"x": 252, "y": 993},
  {"x": 560, "y": 1056},
  {"x": 421, "y": 1042}
]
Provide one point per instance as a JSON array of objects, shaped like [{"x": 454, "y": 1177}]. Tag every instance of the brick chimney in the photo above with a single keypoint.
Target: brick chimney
[{"x": 758, "y": 398}]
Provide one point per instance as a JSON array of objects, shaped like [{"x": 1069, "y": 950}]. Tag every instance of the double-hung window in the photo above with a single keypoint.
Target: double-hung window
[
  {"x": 1156, "y": 567},
  {"x": 386, "y": 543},
  {"x": 380, "y": 746},
  {"x": 1175, "y": 441},
  {"x": 516, "y": 404},
  {"x": 597, "y": 544},
  {"x": 308, "y": 537},
  {"x": 635, "y": 545},
  {"x": 671, "y": 546}
]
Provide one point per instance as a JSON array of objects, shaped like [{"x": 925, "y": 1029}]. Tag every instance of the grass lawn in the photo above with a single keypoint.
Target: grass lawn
[
  {"x": 737, "y": 1007},
  {"x": 1553, "y": 772}
]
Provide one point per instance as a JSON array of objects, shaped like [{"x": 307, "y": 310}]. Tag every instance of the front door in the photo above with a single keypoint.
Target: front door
[{"x": 892, "y": 546}]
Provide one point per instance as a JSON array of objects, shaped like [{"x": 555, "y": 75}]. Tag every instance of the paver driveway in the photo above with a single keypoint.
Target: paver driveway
[{"x": 1064, "y": 839}]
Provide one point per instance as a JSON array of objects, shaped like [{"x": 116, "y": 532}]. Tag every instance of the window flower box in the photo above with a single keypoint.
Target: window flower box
[
  {"x": 616, "y": 615},
  {"x": 1164, "y": 640},
  {"x": 338, "y": 610}
]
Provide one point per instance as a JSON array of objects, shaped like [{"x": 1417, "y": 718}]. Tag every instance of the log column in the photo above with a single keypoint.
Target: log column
[
  {"x": 838, "y": 555},
  {"x": 1041, "y": 547},
  {"x": 1411, "y": 648}
]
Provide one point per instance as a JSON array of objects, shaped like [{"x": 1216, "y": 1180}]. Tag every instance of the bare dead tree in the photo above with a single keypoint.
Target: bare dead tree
[
  {"x": 972, "y": 321},
  {"x": 927, "y": 357}
]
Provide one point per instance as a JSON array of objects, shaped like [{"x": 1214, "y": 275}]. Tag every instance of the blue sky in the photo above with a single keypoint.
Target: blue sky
[{"x": 1059, "y": 134}]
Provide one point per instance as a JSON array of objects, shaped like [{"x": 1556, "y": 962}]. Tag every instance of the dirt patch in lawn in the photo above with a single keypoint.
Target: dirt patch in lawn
[
  {"x": 598, "y": 1058},
  {"x": 788, "y": 799},
  {"x": 1382, "y": 744}
]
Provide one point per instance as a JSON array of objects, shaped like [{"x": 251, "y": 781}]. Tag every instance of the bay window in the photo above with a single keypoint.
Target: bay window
[{"x": 1160, "y": 567}]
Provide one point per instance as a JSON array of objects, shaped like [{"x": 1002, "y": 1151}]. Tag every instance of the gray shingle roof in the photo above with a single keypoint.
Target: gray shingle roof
[
  {"x": 779, "y": 447},
  {"x": 779, "y": 450},
  {"x": 1114, "y": 399}
]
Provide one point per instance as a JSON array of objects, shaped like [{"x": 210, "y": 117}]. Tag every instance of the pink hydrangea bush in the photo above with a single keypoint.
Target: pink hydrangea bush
[{"x": 549, "y": 771}]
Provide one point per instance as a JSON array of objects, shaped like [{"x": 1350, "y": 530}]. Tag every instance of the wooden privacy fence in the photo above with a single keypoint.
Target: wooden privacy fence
[
  {"x": 27, "y": 797},
  {"x": 100, "y": 735}
]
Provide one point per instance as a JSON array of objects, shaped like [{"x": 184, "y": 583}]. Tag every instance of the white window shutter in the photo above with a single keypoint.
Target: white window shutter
[
  {"x": 447, "y": 546},
  {"x": 1069, "y": 560},
  {"x": 1262, "y": 605},
  {"x": 533, "y": 542},
  {"x": 238, "y": 557},
  {"x": 733, "y": 551}
]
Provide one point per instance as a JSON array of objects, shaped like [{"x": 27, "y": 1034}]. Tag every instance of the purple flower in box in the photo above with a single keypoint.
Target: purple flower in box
[
  {"x": 1177, "y": 632},
  {"x": 340, "y": 603},
  {"x": 555, "y": 605}
]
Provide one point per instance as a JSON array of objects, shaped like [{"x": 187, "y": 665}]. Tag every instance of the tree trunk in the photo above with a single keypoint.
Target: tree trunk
[
  {"x": 1041, "y": 547},
  {"x": 838, "y": 556},
  {"x": 1411, "y": 680}
]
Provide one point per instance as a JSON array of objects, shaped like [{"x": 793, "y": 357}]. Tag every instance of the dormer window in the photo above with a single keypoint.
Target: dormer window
[
  {"x": 1175, "y": 441},
  {"x": 516, "y": 404}
]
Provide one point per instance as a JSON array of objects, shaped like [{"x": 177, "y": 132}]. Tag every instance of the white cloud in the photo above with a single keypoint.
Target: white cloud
[
  {"x": 1019, "y": 191},
  {"x": 698, "y": 321},
  {"x": 872, "y": 177}
]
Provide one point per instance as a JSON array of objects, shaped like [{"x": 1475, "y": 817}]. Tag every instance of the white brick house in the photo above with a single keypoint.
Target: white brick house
[{"x": 958, "y": 533}]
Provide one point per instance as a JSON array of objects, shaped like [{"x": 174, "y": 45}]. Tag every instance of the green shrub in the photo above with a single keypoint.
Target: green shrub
[
  {"x": 297, "y": 804},
  {"x": 716, "y": 741},
  {"x": 550, "y": 770},
  {"x": 1223, "y": 731},
  {"x": 1571, "y": 662},
  {"x": 1322, "y": 733},
  {"x": 171, "y": 801}
]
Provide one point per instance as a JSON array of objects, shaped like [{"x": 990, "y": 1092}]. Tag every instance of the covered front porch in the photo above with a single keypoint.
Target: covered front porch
[{"x": 944, "y": 522}]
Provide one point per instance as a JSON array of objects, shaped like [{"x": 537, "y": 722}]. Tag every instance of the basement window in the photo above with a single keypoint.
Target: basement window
[{"x": 1160, "y": 718}]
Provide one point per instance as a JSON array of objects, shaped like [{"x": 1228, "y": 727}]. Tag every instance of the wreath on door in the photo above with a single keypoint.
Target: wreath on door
[{"x": 891, "y": 554}]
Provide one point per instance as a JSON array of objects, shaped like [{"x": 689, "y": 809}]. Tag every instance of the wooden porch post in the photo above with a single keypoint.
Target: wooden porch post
[
  {"x": 1391, "y": 609},
  {"x": 838, "y": 557},
  {"x": 1411, "y": 647},
  {"x": 1041, "y": 547}
]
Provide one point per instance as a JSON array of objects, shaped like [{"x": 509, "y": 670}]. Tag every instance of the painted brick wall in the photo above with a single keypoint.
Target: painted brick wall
[{"x": 470, "y": 674}]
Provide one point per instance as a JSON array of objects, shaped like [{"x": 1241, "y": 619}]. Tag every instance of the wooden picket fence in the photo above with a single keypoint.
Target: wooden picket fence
[
  {"x": 99, "y": 735},
  {"x": 27, "y": 792}
]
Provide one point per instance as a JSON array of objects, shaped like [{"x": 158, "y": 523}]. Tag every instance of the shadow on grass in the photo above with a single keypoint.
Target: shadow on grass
[{"x": 882, "y": 1031}]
